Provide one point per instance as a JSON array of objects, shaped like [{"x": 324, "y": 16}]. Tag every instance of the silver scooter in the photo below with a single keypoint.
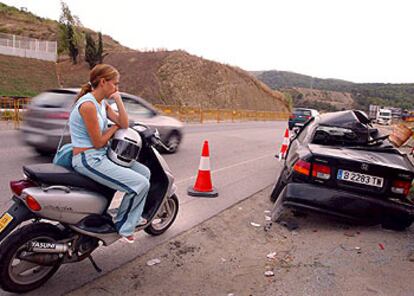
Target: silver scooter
[{"x": 63, "y": 217}]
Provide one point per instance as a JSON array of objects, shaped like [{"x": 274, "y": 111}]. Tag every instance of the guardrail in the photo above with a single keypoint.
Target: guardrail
[
  {"x": 190, "y": 114},
  {"x": 12, "y": 111}
]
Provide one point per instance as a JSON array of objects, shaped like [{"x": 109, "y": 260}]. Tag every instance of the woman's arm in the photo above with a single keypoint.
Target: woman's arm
[
  {"x": 89, "y": 114},
  {"x": 120, "y": 118}
]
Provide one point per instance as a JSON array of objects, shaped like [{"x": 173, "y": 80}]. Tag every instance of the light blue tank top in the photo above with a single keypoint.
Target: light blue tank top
[{"x": 78, "y": 132}]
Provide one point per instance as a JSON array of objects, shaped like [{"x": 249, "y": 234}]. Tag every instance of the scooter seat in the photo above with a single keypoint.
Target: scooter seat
[{"x": 51, "y": 174}]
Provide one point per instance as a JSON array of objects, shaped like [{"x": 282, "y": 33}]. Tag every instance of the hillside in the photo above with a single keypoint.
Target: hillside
[
  {"x": 323, "y": 100},
  {"x": 363, "y": 94},
  {"x": 178, "y": 78},
  {"x": 25, "y": 77}
]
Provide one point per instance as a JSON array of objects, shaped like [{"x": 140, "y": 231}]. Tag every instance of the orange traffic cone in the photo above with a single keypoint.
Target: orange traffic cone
[
  {"x": 203, "y": 186},
  {"x": 285, "y": 145}
]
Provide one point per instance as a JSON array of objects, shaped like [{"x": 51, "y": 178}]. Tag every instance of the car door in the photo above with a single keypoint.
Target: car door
[{"x": 137, "y": 112}]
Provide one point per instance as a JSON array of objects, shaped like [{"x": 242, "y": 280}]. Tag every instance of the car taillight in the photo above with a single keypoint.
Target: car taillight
[
  {"x": 401, "y": 187},
  {"x": 32, "y": 203},
  {"x": 302, "y": 167},
  {"x": 292, "y": 116},
  {"x": 321, "y": 171},
  {"x": 58, "y": 115},
  {"x": 18, "y": 186}
]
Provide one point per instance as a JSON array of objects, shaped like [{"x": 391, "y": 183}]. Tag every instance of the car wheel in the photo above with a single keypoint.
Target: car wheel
[{"x": 173, "y": 142}]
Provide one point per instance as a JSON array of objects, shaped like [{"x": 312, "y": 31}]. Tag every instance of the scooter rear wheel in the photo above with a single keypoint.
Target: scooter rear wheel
[
  {"x": 18, "y": 275},
  {"x": 165, "y": 217}
]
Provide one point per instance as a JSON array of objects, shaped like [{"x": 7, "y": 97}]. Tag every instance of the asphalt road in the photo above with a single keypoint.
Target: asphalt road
[{"x": 242, "y": 163}]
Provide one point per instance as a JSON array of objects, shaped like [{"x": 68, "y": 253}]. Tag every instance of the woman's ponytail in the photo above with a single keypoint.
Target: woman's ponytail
[{"x": 86, "y": 88}]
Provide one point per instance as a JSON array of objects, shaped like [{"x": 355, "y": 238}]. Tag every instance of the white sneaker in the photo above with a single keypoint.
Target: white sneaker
[
  {"x": 142, "y": 222},
  {"x": 130, "y": 239}
]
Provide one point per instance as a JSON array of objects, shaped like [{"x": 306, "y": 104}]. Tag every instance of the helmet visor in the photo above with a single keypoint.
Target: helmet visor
[{"x": 125, "y": 149}]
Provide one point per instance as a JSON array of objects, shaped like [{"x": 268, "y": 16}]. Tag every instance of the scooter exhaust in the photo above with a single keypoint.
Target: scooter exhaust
[{"x": 47, "y": 247}]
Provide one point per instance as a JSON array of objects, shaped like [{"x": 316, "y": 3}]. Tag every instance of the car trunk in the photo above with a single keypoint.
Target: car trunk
[
  {"x": 369, "y": 171},
  {"x": 49, "y": 111}
]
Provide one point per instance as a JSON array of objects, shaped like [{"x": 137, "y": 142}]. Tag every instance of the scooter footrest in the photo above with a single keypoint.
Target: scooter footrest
[{"x": 97, "y": 224}]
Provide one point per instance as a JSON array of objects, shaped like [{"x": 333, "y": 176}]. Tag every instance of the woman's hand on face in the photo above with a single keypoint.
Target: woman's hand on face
[{"x": 116, "y": 96}]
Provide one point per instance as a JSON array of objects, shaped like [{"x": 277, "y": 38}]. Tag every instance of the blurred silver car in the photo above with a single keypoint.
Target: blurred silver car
[{"x": 49, "y": 111}]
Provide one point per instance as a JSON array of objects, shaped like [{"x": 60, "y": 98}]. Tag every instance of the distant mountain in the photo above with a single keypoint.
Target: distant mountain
[{"x": 363, "y": 94}]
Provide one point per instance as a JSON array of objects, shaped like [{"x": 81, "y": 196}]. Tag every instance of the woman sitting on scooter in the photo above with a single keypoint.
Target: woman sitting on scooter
[{"x": 89, "y": 133}]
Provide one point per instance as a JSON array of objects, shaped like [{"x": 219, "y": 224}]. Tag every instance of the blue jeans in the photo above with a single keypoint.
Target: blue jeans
[{"x": 134, "y": 181}]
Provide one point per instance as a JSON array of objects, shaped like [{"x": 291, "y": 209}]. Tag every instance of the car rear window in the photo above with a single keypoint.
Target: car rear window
[
  {"x": 302, "y": 112},
  {"x": 53, "y": 100}
]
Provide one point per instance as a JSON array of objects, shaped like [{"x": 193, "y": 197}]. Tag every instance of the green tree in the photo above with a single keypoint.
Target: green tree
[
  {"x": 91, "y": 52},
  {"x": 100, "y": 48},
  {"x": 70, "y": 36}
]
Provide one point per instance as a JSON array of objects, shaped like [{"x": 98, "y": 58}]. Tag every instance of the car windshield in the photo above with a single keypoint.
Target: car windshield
[
  {"x": 302, "y": 112},
  {"x": 53, "y": 100}
]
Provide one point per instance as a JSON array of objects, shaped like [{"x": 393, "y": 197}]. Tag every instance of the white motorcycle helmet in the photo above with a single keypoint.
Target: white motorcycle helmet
[{"x": 125, "y": 147}]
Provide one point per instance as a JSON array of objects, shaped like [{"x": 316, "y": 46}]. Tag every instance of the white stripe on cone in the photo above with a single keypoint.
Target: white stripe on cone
[{"x": 204, "y": 163}]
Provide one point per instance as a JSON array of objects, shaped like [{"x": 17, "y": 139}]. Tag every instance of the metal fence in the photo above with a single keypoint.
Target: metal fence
[
  {"x": 12, "y": 110},
  {"x": 28, "y": 47},
  {"x": 190, "y": 114}
]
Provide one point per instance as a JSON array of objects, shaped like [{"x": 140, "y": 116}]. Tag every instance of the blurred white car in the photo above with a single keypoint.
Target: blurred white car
[{"x": 49, "y": 111}]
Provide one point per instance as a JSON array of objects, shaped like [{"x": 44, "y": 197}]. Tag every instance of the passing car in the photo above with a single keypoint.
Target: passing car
[
  {"x": 300, "y": 116},
  {"x": 338, "y": 164},
  {"x": 47, "y": 114}
]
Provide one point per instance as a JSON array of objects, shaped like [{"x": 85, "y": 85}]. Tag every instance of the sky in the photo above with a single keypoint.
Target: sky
[{"x": 354, "y": 40}]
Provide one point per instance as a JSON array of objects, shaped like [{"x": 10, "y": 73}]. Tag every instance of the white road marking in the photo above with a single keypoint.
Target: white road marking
[{"x": 226, "y": 168}]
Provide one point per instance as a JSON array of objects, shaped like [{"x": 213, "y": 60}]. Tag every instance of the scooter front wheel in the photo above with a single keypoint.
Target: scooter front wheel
[
  {"x": 18, "y": 275},
  {"x": 165, "y": 217}
]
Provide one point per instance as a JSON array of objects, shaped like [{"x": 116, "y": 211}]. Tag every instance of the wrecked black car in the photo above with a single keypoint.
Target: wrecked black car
[{"x": 340, "y": 165}]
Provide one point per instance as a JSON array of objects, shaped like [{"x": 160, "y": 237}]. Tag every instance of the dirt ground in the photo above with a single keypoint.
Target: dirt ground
[{"x": 227, "y": 255}]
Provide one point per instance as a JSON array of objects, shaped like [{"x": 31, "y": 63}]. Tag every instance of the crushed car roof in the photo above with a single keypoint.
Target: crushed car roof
[{"x": 345, "y": 119}]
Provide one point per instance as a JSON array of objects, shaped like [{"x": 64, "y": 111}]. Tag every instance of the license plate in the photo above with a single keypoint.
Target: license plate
[
  {"x": 5, "y": 220},
  {"x": 360, "y": 178}
]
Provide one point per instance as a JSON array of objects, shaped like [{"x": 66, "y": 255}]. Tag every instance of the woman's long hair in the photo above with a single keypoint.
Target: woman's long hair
[{"x": 98, "y": 72}]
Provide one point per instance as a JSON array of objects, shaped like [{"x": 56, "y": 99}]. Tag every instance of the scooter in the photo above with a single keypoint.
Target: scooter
[{"x": 59, "y": 216}]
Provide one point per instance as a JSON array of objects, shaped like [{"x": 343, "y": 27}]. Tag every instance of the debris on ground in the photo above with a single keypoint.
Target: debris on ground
[
  {"x": 267, "y": 226},
  {"x": 271, "y": 255},
  {"x": 349, "y": 233},
  {"x": 381, "y": 246},
  {"x": 267, "y": 218},
  {"x": 255, "y": 224},
  {"x": 289, "y": 224},
  {"x": 153, "y": 262},
  {"x": 269, "y": 273},
  {"x": 411, "y": 256}
]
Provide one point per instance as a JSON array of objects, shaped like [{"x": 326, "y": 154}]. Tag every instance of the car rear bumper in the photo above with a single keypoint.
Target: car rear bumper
[
  {"x": 43, "y": 140},
  {"x": 341, "y": 204}
]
